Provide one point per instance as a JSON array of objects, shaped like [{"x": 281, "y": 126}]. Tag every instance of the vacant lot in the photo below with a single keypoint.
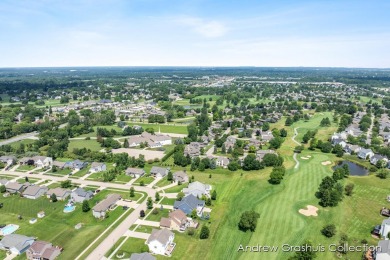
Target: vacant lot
[{"x": 149, "y": 154}]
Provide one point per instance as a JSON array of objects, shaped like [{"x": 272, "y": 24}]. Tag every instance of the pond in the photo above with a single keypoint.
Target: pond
[{"x": 354, "y": 169}]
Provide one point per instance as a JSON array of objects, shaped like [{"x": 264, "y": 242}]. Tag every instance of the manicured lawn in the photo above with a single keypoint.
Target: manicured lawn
[
  {"x": 92, "y": 144},
  {"x": 123, "y": 178},
  {"x": 165, "y": 128},
  {"x": 163, "y": 182},
  {"x": 82, "y": 172},
  {"x": 145, "y": 179},
  {"x": 177, "y": 188},
  {"x": 132, "y": 245},
  {"x": 145, "y": 229},
  {"x": 25, "y": 168},
  {"x": 168, "y": 201},
  {"x": 157, "y": 217},
  {"x": 65, "y": 171},
  {"x": 57, "y": 227}
]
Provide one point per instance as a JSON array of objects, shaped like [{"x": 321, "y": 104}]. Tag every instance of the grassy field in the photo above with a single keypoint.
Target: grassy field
[
  {"x": 92, "y": 144},
  {"x": 132, "y": 245},
  {"x": 57, "y": 227},
  {"x": 165, "y": 128},
  {"x": 157, "y": 217},
  {"x": 16, "y": 145}
]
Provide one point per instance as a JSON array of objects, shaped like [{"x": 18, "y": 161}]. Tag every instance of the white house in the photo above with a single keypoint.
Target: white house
[
  {"x": 161, "y": 242},
  {"x": 97, "y": 167},
  {"x": 385, "y": 228},
  {"x": 197, "y": 189},
  {"x": 42, "y": 161},
  {"x": 383, "y": 250}
]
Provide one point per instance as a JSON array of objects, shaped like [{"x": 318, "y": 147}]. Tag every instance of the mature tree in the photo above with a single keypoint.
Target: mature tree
[
  {"x": 180, "y": 196},
  {"x": 289, "y": 121},
  {"x": 85, "y": 207},
  {"x": 283, "y": 132},
  {"x": 204, "y": 232},
  {"x": 233, "y": 166},
  {"x": 277, "y": 175},
  {"x": 132, "y": 192},
  {"x": 157, "y": 196},
  {"x": 383, "y": 173},
  {"x": 149, "y": 203},
  {"x": 329, "y": 230},
  {"x": 66, "y": 184},
  {"x": 142, "y": 213},
  {"x": 126, "y": 143},
  {"x": 248, "y": 221},
  {"x": 170, "y": 176},
  {"x": 275, "y": 142},
  {"x": 53, "y": 197},
  {"x": 349, "y": 189},
  {"x": 3, "y": 189},
  {"x": 214, "y": 195}
]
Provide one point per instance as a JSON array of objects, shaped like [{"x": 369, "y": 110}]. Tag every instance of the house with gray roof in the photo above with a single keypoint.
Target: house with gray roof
[
  {"x": 97, "y": 167},
  {"x": 76, "y": 165},
  {"x": 135, "y": 172},
  {"x": 79, "y": 195},
  {"x": 34, "y": 191},
  {"x": 61, "y": 194},
  {"x": 189, "y": 203},
  {"x": 160, "y": 242},
  {"x": 142, "y": 256},
  {"x": 383, "y": 250},
  {"x": 365, "y": 153},
  {"x": 197, "y": 189},
  {"x": 376, "y": 158},
  {"x": 159, "y": 172},
  {"x": 42, "y": 250},
  {"x": 180, "y": 176},
  {"x": 8, "y": 160},
  {"x": 100, "y": 209},
  {"x": 16, "y": 244},
  {"x": 4, "y": 182},
  {"x": 14, "y": 187}
]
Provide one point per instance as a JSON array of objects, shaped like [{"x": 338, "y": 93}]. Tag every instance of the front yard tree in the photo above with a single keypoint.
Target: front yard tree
[
  {"x": 149, "y": 203},
  {"x": 170, "y": 176},
  {"x": 2, "y": 189},
  {"x": 66, "y": 184},
  {"x": 132, "y": 192},
  {"x": 349, "y": 189},
  {"x": 248, "y": 221},
  {"x": 157, "y": 196},
  {"x": 194, "y": 214},
  {"x": 180, "y": 196},
  {"x": 214, "y": 195},
  {"x": 204, "y": 232},
  {"x": 86, "y": 206},
  {"x": 142, "y": 213},
  {"x": 53, "y": 197}
]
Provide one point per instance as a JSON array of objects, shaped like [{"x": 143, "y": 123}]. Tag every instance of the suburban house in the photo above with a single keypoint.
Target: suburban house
[
  {"x": 161, "y": 242},
  {"x": 8, "y": 160},
  {"x": 16, "y": 244},
  {"x": 97, "y": 167},
  {"x": 135, "y": 172},
  {"x": 4, "y": 182},
  {"x": 59, "y": 165},
  {"x": 222, "y": 162},
  {"x": 38, "y": 161},
  {"x": 159, "y": 172},
  {"x": 197, "y": 189},
  {"x": 42, "y": 250},
  {"x": 365, "y": 153},
  {"x": 193, "y": 149},
  {"x": 383, "y": 250},
  {"x": 61, "y": 194},
  {"x": 79, "y": 195},
  {"x": 376, "y": 158},
  {"x": 34, "y": 191},
  {"x": 338, "y": 141},
  {"x": 152, "y": 140},
  {"x": 76, "y": 165},
  {"x": 142, "y": 256},
  {"x": 14, "y": 187},
  {"x": 180, "y": 176},
  {"x": 261, "y": 153},
  {"x": 189, "y": 203},
  {"x": 385, "y": 228},
  {"x": 177, "y": 220},
  {"x": 352, "y": 149},
  {"x": 100, "y": 209}
]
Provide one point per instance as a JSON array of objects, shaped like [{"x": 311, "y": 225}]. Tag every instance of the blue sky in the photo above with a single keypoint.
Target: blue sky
[{"x": 194, "y": 33}]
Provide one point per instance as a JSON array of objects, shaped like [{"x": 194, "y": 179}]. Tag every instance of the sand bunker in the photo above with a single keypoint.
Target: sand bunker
[
  {"x": 309, "y": 156},
  {"x": 326, "y": 163},
  {"x": 305, "y": 158},
  {"x": 309, "y": 211}
]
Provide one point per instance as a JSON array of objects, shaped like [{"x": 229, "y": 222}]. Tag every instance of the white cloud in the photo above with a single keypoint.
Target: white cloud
[{"x": 206, "y": 28}]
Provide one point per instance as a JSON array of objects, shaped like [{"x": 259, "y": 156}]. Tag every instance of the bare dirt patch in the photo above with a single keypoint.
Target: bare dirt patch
[
  {"x": 309, "y": 211},
  {"x": 326, "y": 163}
]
